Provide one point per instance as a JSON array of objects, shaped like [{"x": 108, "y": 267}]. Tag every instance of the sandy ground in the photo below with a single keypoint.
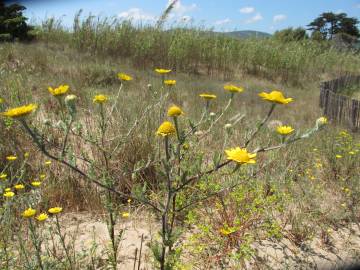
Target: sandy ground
[{"x": 341, "y": 249}]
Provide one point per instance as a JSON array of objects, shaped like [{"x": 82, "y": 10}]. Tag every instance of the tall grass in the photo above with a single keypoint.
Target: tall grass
[{"x": 198, "y": 50}]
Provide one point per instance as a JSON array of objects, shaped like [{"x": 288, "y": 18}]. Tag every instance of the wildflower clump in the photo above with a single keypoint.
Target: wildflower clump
[
  {"x": 175, "y": 111},
  {"x": 166, "y": 129},
  {"x": 29, "y": 213},
  {"x": 59, "y": 91},
  {"x": 11, "y": 158},
  {"x": 284, "y": 130},
  {"x": 20, "y": 111},
  {"x": 240, "y": 155},
  {"x": 9, "y": 194},
  {"x": 207, "y": 96},
  {"x": 233, "y": 88},
  {"x": 162, "y": 71},
  {"x": 275, "y": 97},
  {"x": 170, "y": 82},
  {"x": 55, "y": 210},
  {"x": 124, "y": 77},
  {"x": 42, "y": 217},
  {"x": 100, "y": 99},
  {"x": 19, "y": 186}
]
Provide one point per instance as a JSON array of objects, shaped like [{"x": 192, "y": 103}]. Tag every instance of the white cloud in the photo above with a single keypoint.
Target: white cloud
[
  {"x": 257, "y": 17},
  {"x": 136, "y": 14},
  {"x": 247, "y": 10},
  {"x": 279, "y": 18},
  {"x": 222, "y": 22}
]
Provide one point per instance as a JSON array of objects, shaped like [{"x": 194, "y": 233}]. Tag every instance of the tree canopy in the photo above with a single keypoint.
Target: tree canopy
[
  {"x": 329, "y": 24},
  {"x": 13, "y": 23}
]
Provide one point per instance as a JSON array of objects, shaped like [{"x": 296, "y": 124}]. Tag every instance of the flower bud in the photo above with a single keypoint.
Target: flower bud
[
  {"x": 70, "y": 101},
  {"x": 321, "y": 122}
]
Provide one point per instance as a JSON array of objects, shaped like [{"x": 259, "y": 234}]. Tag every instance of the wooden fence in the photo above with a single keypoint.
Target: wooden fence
[{"x": 337, "y": 107}]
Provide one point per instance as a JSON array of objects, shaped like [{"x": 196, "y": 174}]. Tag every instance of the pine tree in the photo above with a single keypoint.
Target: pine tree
[{"x": 13, "y": 23}]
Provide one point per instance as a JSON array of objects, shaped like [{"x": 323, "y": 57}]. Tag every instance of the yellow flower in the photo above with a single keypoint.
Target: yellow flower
[
  {"x": 19, "y": 186},
  {"x": 42, "y": 217},
  {"x": 227, "y": 231},
  {"x": 321, "y": 121},
  {"x": 55, "y": 210},
  {"x": 207, "y": 96},
  {"x": 170, "y": 82},
  {"x": 284, "y": 130},
  {"x": 29, "y": 213},
  {"x": 351, "y": 153},
  {"x": 162, "y": 71},
  {"x": 42, "y": 176},
  {"x": 125, "y": 214},
  {"x": 26, "y": 155},
  {"x": 36, "y": 183},
  {"x": 338, "y": 156},
  {"x": 233, "y": 88},
  {"x": 100, "y": 99},
  {"x": 59, "y": 91},
  {"x": 166, "y": 129},
  {"x": 3, "y": 176},
  {"x": 124, "y": 77},
  {"x": 20, "y": 111},
  {"x": 8, "y": 189},
  {"x": 175, "y": 111},
  {"x": 9, "y": 194},
  {"x": 48, "y": 162},
  {"x": 275, "y": 96},
  {"x": 11, "y": 158},
  {"x": 240, "y": 155}
]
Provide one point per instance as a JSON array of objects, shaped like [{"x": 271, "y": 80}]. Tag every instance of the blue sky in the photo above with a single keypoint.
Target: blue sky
[{"x": 223, "y": 15}]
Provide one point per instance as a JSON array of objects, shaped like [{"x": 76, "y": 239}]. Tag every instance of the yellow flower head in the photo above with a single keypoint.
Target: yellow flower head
[
  {"x": 100, "y": 99},
  {"x": 36, "y": 183},
  {"x": 276, "y": 97},
  {"x": 125, "y": 214},
  {"x": 233, "y": 88},
  {"x": 9, "y": 194},
  {"x": 19, "y": 186},
  {"x": 26, "y": 155},
  {"x": 207, "y": 96},
  {"x": 42, "y": 176},
  {"x": 124, "y": 77},
  {"x": 42, "y": 217},
  {"x": 29, "y": 213},
  {"x": 338, "y": 156},
  {"x": 227, "y": 231},
  {"x": 11, "y": 158},
  {"x": 8, "y": 189},
  {"x": 48, "y": 162},
  {"x": 59, "y": 91},
  {"x": 170, "y": 82},
  {"x": 240, "y": 155},
  {"x": 3, "y": 176},
  {"x": 351, "y": 153},
  {"x": 166, "y": 129},
  {"x": 323, "y": 119},
  {"x": 55, "y": 210},
  {"x": 20, "y": 111},
  {"x": 175, "y": 111},
  {"x": 162, "y": 71},
  {"x": 284, "y": 130}
]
